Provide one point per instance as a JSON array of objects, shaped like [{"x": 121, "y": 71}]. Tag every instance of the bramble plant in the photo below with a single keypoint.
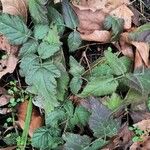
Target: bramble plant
[{"x": 44, "y": 66}]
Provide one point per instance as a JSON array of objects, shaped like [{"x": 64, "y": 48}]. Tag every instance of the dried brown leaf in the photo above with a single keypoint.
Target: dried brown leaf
[
  {"x": 15, "y": 7},
  {"x": 4, "y": 100},
  {"x": 102, "y": 36},
  {"x": 124, "y": 13},
  {"x": 36, "y": 119},
  {"x": 9, "y": 148},
  {"x": 5, "y": 111},
  {"x": 8, "y": 65}
]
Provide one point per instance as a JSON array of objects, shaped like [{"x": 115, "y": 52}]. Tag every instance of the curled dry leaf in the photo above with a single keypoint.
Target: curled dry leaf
[
  {"x": 8, "y": 65},
  {"x": 4, "y": 100},
  {"x": 15, "y": 7},
  {"x": 105, "y": 5},
  {"x": 124, "y": 13},
  {"x": 36, "y": 119},
  {"x": 102, "y": 36},
  {"x": 9, "y": 148}
]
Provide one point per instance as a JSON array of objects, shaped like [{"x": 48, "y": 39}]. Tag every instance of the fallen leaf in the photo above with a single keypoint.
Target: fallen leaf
[
  {"x": 15, "y": 7},
  {"x": 105, "y": 5},
  {"x": 138, "y": 63},
  {"x": 9, "y": 148},
  {"x": 4, "y": 100},
  {"x": 9, "y": 65},
  {"x": 89, "y": 21},
  {"x": 124, "y": 13},
  {"x": 5, "y": 111},
  {"x": 102, "y": 36},
  {"x": 4, "y": 45},
  {"x": 36, "y": 119}
]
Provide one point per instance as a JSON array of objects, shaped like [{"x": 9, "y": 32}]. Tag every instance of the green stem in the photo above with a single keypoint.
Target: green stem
[{"x": 23, "y": 141}]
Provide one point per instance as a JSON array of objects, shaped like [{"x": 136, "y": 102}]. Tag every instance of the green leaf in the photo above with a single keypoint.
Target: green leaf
[
  {"x": 80, "y": 117},
  {"x": 69, "y": 108},
  {"x": 69, "y": 15},
  {"x": 101, "y": 70},
  {"x": 14, "y": 29},
  {"x": 75, "y": 84},
  {"x": 62, "y": 82},
  {"x": 46, "y": 50},
  {"x": 42, "y": 76},
  {"x": 139, "y": 80},
  {"x": 75, "y": 68},
  {"x": 115, "y": 63},
  {"x": 54, "y": 117},
  {"x": 74, "y": 41},
  {"x": 44, "y": 138},
  {"x": 142, "y": 33},
  {"x": 116, "y": 24},
  {"x": 38, "y": 10},
  {"x": 113, "y": 102},
  {"x": 55, "y": 17},
  {"x": 28, "y": 48},
  {"x": 99, "y": 86},
  {"x": 75, "y": 141},
  {"x": 100, "y": 121},
  {"x": 40, "y": 31}
]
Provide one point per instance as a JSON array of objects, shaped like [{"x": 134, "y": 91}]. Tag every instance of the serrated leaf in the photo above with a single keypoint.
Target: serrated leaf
[
  {"x": 14, "y": 29},
  {"x": 43, "y": 77},
  {"x": 75, "y": 68},
  {"x": 55, "y": 17},
  {"x": 29, "y": 47},
  {"x": 142, "y": 33},
  {"x": 117, "y": 66},
  {"x": 38, "y": 10},
  {"x": 69, "y": 15},
  {"x": 80, "y": 117},
  {"x": 74, "y": 41},
  {"x": 100, "y": 121},
  {"x": 139, "y": 80},
  {"x": 46, "y": 50},
  {"x": 75, "y": 141},
  {"x": 69, "y": 108},
  {"x": 54, "y": 117},
  {"x": 75, "y": 84},
  {"x": 99, "y": 86},
  {"x": 113, "y": 102},
  {"x": 40, "y": 31},
  {"x": 62, "y": 82},
  {"x": 116, "y": 24},
  {"x": 45, "y": 138}
]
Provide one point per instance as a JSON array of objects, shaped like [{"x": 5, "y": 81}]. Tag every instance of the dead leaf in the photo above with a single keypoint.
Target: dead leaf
[
  {"x": 104, "y": 5},
  {"x": 9, "y": 148},
  {"x": 124, "y": 13},
  {"x": 138, "y": 63},
  {"x": 15, "y": 7},
  {"x": 9, "y": 65},
  {"x": 36, "y": 119},
  {"x": 4, "y": 100},
  {"x": 5, "y": 111},
  {"x": 102, "y": 36}
]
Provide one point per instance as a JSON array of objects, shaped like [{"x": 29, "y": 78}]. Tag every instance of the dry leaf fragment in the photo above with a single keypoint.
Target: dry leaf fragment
[
  {"x": 4, "y": 100},
  {"x": 124, "y": 13},
  {"x": 105, "y": 5},
  {"x": 9, "y": 65},
  {"x": 102, "y": 36},
  {"x": 36, "y": 119},
  {"x": 15, "y": 7}
]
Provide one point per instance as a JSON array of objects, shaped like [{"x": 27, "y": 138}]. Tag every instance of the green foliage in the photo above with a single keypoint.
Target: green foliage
[
  {"x": 114, "y": 102},
  {"x": 115, "y": 24},
  {"x": 74, "y": 41},
  {"x": 99, "y": 86},
  {"x": 117, "y": 65},
  {"x": 76, "y": 71},
  {"x": 41, "y": 76},
  {"x": 69, "y": 15},
  {"x": 14, "y": 29},
  {"x": 46, "y": 138},
  {"x": 40, "y": 31},
  {"x": 55, "y": 17},
  {"x": 100, "y": 121},
  {"x": 142, "y": 33},
  {"x": 10, "y": 139},
  {"x": 75, "y": 141},
  {"x": 28, "y": 48},
  {"x": 38, "y": 10}
]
